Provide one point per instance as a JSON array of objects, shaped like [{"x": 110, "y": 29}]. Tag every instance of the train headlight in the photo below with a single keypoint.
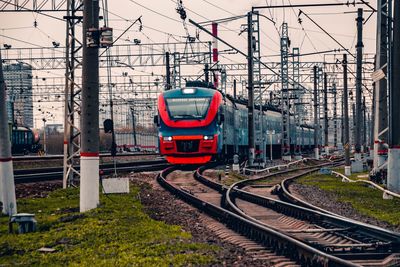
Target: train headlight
[
  {"x": 167, "y": 138},
  {"x": 188, "y": 91},
  {"x": 208, "y": 137}
]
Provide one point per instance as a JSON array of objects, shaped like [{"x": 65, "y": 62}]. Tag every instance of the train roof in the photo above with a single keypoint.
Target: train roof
[
  {"x": 265, "y": 107},
  {"x": 190, "y": 91}
]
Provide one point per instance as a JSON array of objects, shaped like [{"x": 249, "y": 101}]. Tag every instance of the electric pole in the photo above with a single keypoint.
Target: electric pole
[
  {"x": 326, "y": 123},
  {"x": 134, "y": 125},
  {"x": 364, "y": 110},
  {"x": 358, "y": 109},
  {"x": 316, "y": 119},
  {"x": 7, "y": 187},
  {"x": 167, "y": 72},
  {"x": 347, "y": 167},
  {"x": 394, "y": 130},
  {"x": 89, "y": 183},
  {"x": 335, "y": 133},
  {"x": 250, "y": 88}
]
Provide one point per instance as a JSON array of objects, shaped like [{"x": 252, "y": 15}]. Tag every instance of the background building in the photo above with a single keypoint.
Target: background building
[{"x": 18, "y": 78}]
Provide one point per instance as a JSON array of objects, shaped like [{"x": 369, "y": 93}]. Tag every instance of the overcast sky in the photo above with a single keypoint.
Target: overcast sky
[{"x": 161, "y": 23}]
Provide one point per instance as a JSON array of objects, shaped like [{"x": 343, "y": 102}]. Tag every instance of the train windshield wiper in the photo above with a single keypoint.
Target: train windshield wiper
[{"x": 187, "y": 116}]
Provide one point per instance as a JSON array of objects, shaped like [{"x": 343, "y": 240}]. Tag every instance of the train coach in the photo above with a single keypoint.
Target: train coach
[
  {"x": 23, "y": 140},
  {"x": 197, "y": 123}
]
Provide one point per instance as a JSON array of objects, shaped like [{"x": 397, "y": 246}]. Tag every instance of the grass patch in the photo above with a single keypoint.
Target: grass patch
[
  {"x": 117, "y": 233},
  {"x": 232, "y": 178},
  {"x": 365, "y": 200}
]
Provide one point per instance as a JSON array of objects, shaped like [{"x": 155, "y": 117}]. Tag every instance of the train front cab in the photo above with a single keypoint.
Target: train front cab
[{"x": 190, "y": 125}]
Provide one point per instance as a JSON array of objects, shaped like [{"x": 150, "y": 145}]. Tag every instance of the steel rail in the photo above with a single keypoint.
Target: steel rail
[
  {"x": 280, "y": 242},
  {"x": 387, "y": 240}
]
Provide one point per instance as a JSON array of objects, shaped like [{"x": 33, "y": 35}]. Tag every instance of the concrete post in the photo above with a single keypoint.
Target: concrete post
[
  {"x": 7, "y": 187},
  {"x": 347, "y": 167},
  {"x": 89, "y": 191},
  {"x": 358, "y": 110},
  {"x": 394, "y": 129}
]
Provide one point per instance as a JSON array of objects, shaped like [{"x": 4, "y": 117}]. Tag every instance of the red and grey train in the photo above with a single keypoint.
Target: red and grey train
[{"x": 197, "y": 124}]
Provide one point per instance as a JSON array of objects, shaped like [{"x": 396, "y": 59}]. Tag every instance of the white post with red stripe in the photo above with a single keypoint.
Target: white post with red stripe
[
  {"x": 7, "y": 187},
  {"x": 214, "y": 26},
  {"x": 90, "y": 136}
]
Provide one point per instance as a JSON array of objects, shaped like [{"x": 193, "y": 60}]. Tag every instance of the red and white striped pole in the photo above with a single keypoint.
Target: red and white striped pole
[
  {"x": 7, "y": 187},
  {"x": 215, "y": 51}
]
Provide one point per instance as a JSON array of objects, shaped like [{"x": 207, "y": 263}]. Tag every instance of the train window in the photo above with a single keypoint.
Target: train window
[{"x": 188, "y": 108}]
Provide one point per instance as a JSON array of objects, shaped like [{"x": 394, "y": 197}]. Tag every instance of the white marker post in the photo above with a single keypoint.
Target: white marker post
[{"x": 7, "y": 187}]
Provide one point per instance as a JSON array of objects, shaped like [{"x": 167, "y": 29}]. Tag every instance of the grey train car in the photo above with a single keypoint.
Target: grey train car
[{"x": 235, "y": 130}]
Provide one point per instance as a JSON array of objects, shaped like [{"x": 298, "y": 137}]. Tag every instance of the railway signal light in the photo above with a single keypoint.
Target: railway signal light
[{"x": 108, "y": 126}]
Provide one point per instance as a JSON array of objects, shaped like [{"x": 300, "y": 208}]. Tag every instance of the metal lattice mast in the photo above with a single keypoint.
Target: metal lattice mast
[
  {"x": 298, "y": 108},
  {"x": 72, "y": 90},
  {"x": 250, "y": 88},
  {"x": 335, "y": 132},
  {"x": 258, "y": 88},
  {"x": 177, "y": 70},
  {"x": 285, "y": 104},
  {"x": 321, "y": 106}
]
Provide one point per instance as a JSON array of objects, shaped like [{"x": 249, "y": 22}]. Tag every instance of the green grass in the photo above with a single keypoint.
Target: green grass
[
  {"x": 232, "y": 178},
  {"x": 366, "y": 200},
  {"x": 117, "y": 233}
]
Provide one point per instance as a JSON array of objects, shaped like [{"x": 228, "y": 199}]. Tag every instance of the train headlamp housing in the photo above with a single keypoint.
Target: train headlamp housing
[
  {"x": 208, "y": 137},
  {"x": 167, "y": 138}
]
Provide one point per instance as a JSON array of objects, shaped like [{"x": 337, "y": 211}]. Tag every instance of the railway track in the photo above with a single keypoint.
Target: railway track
[
  {"x": 285, "y": 234},
  {"x": 56, "y": 173},
  {"x": 59, "y": 157}
]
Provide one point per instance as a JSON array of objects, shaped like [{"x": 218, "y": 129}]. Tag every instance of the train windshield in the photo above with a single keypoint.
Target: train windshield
[{"x": 188, "y": 108}]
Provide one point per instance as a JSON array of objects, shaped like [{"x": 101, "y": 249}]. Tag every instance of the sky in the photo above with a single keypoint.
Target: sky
[{"x": 162, "y": 24}]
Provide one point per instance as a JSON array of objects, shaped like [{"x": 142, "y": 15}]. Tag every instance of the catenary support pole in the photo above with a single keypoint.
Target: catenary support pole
[
  {"x": 380, "y": 111},
  {"x": 89, "y": 191},
  {"x": 347, "y": 167},
  {"x": 364, "y": 132},
  {"x": 167, "y": 71},
  {"x": 234, "y": 89},
  {"x": 358, "y": 110},
  {"x": 214, "y": 29},
  {"x": 134, "y": 126},
  {"x": 7, "y": 187},
  {"x": 250, "y": 88},
  {"x": 335, "y": 128},
  {"x": 394, "y": 109},
  {"x": 326, "y": 121},
  {"x": 316, "y": 119}
]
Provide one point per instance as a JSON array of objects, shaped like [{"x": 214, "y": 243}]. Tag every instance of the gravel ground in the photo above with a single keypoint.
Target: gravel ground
[
  {"x": 36, "y": 190},
  {"x": 328, "y": 201},
  {"x": 161, "y": 205}
]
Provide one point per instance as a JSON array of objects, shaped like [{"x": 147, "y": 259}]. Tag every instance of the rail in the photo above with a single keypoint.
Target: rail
[
  {"x": 276, "y": 167},
  {"x": 387, "y": 194}
]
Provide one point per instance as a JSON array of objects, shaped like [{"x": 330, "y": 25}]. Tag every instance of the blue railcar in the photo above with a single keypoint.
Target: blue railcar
[{"x": 197, "y": 123}]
